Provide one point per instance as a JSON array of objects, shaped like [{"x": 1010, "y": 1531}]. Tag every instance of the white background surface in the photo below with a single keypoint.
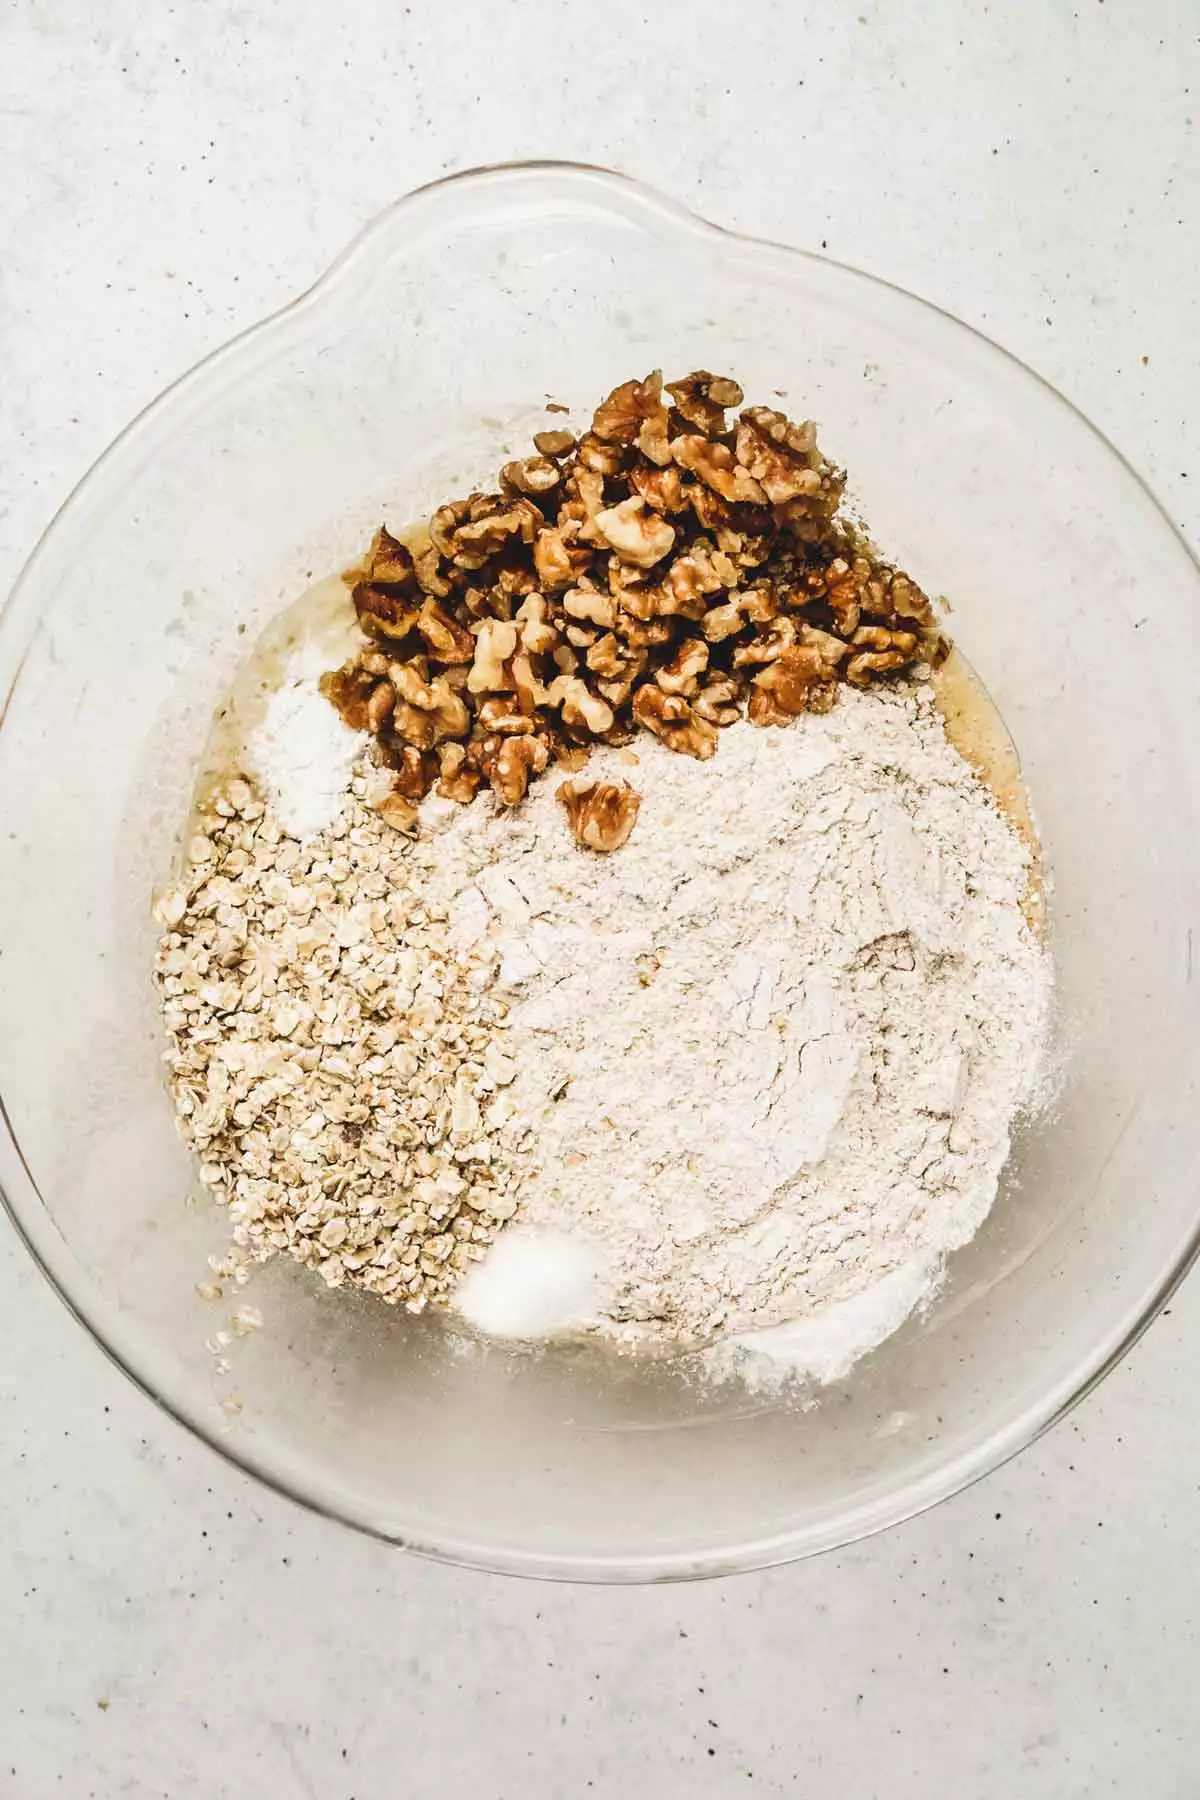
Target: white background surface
[{"x": 170, "y": 174}]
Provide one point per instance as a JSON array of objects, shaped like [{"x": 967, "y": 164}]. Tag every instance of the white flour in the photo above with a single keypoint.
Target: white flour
[{"x": 768, "y": 1054}]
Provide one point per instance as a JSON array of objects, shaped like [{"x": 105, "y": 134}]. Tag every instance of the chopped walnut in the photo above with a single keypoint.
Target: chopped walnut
[
  {"x": 445, "y": 523},
  {"x": 458, "y": 780},
  {"x": 380, "y": 706},
  {"x": 429, "y": 572},
  {"x": 671, "y": 719},
  {"x": 908, "y": 602},
  {"x": 843, "y": 594},
  {"x": 383, "y": 612},
  {"x": 767, "y": 646},
  {"x": 725, "y": 621},
  {"x": 680, "y": 674},
  {"x": 435, "y": 712},
  {"x": 527, "y": 686},
  {"x": 714, "y": 465},
  {"x": 349, "y": 689},
  {"x": 531, "y": 475},
  {"x": 389, "y": 563},
  {"x": 861, "y": 668},
  {"x": 558, "y": 562},
  {"x": 660, "y": 488},
  {"x": 701, "y": 399},
  {"x": 585, "y": 490},
  {"x": 719, "y": 702},
  {"x": 498, "y": 715},
  {"x": 510, "y": 765},
  {"x": 580, "y": 709},
  {"x": 791, "y": 678},
  {"x": 415, "y": 771},
  {"x": 601, "y": 813},
  {"x": 620, "y": 418},
  {"x": 779, "y": 455},
  {"x": 669, "y": 570},
  {"x": 694, "y": 575},
  {"x": 597, "y": 456},
  {"x": 762, "y": 708},
  {"x": 494, "y": 644},
  {"x": 398, "y": 812},
  {"x": 830, "y": 649},
  {"x": 538, "y": 636},
  {"x": 553, "y": 443},
  {"x": 586, "y": 603},
  {"x": 644, "y": 634},
  {"x": 636, "y": 534},
  {"x": 449, "y": 641},
  {"x": 878, "y": 637}
]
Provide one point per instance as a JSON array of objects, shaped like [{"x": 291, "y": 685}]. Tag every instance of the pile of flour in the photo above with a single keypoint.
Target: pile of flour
[{"x": 767, "y": 1055}]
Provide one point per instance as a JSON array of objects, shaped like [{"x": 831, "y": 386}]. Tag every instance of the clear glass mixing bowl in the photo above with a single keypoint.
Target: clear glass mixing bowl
[{"x": 428, "y": 349}]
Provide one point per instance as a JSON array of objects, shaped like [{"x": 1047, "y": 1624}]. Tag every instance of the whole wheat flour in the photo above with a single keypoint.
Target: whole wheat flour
[{"x": 770, "y": 1052}]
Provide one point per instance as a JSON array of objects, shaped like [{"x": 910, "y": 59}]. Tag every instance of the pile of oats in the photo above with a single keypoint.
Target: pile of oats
[{"x": 330, "y": 1051}]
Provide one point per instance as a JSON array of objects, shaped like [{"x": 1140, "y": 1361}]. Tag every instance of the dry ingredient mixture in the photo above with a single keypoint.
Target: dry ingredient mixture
[{"x": 736, "y": 1059}]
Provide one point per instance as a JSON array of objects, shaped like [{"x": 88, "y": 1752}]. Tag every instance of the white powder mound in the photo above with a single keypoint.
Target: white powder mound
[
  {"x": 300, "y": 752},
  {"x": 825, "y": 1346},
  {"x": 769, "y": 1053},
  {"x": 533, "y": 1284}
]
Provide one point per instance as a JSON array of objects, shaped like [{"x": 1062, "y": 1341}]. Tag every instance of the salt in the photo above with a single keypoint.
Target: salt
[{"x": 533, "y": 1284}]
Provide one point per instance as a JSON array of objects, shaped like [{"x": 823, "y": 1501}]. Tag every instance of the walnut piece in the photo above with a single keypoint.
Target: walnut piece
[
  {"x": 398, "y": 812},
  {"x": 638, "y": 535},
  {"x": 449, "y": 641},
  {"x": 597, "y": 456},
  {"x": 596, "y": 608},
  {"x": 580, "y": 708},
  {"x": 531, "y": 475},
  {"x": 349, "y": 689},
  {"x": 384, "y": 612},
  {"x": 719, "y": 702},
  {"x": 558, "y": 562},
  {"x": 660, "y": 488},
  {"x": 458, "y": 780},
  {"x": 701, "y": 399},
  {"x": 511, "y": 764},
  {"x": 620, "y": 418},
  {"x": 680, "y": 674},
  {"x": 861, "y": 668},
  {"x": 538, "y": 636},
  {"x": 792, "y": 678},
  {"x": 783, "y": 458},
  {"x": 714, "y": 465},
  {"x": 601, "y": 813},
  {"x": 553, "y": 443},
  {"x": 673, "y": 721},
  {"x": 494, "y": 644}
]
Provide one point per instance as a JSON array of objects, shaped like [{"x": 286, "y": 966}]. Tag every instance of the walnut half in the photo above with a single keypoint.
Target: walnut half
[{"x": 601, "y": 813}]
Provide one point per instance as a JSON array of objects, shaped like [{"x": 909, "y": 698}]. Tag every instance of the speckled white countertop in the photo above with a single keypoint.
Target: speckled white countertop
[{"x": 173, "y": 172}]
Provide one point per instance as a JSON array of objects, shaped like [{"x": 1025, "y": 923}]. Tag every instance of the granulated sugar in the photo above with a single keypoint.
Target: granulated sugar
[{"x": 769, "y": 1053}]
